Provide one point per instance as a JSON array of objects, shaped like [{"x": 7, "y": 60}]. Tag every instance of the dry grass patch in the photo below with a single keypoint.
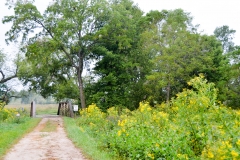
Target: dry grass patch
[
  {"x": 50, "y": 126},
  {"x": 40, "y": 108}
]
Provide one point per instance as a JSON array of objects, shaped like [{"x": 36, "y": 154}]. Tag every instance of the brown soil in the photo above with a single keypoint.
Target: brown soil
[{"x": 39, "y": 145}]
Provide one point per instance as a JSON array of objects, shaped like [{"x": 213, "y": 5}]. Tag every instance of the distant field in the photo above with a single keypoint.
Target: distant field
[{"x": 40, "y": 108}]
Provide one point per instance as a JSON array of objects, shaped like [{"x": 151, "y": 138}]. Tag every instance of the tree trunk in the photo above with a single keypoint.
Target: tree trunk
[
  {"x": 168, "y": 92},
  {"x": 81, "y": 91},
  {"x": 80, "y": 81}
]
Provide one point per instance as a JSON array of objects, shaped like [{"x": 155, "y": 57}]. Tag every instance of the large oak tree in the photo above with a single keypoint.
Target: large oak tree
[{"x": 58, "y": 41}]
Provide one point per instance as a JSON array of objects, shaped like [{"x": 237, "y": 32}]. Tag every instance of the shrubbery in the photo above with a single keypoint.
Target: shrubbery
[
  {"x": 194, "y": 125},
  {"x": 10, "y": 114}
]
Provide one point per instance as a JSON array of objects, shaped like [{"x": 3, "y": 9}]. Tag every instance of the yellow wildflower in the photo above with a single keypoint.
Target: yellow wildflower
[
  {"x": 122, "y": 123},
  {"x": 234, "y": 153},
  {"x": 201, "y": 75},
  {"x": 238, "y": 113},
  {"x": 149, "y": 109},
  {"x": 151, "y": 155},
  {"x": 210, "y": 154},
  {"x": 223, "y": 158},
  {"x": 238, "y": 142},
  {"x": 92, "y": 124},
  {"x": 119, "y": 133}
]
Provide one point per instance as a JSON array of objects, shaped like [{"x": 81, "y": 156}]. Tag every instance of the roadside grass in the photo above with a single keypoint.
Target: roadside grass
[
  {"x": 90, "y": 147},
  {"x": 50, "y": 127},
  {"x": 11, "y": 132}
]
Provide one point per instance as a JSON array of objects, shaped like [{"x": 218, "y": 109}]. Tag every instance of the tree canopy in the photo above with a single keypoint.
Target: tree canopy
[{"x": 132, "y": 56}]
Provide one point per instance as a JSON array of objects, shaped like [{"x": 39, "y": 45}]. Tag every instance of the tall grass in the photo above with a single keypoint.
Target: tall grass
[
  {"x": 89, "y": 146},
  {"x": 41, "y": 109}
]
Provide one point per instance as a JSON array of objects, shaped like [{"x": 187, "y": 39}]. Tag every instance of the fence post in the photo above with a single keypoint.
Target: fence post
[
  {"x": 33, "y": 109},
  {"x": 70, "y": 109},
  {"x": 59, "y": 107}
]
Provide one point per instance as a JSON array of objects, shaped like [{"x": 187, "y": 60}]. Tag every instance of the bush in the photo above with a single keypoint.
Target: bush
[
  {"x": 194, "y": 125},
  {"x": 11, "y": 115}
]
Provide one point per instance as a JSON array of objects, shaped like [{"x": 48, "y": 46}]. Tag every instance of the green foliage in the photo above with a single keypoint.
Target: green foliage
[
  {"x": 178, "y": 54},
  {"x": 225, "y": 36},
  {"x": 5, "y": 76},
  {"x": 66, "y": 90},
  {"x": 69, "y": 34},
  {"x": 137, "y": 57},
  {"x": 233, "y": 95},
  {"x": 122, "y": 66},
  {"x": 4, "y": 93},
  {"x": 194, "y": 125}
]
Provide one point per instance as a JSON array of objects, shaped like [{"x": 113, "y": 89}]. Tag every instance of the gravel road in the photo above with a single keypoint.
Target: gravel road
[{"x": 39, "y": 145}]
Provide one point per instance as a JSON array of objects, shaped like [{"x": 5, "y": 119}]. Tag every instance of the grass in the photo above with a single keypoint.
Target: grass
[
  {"x": 10, "y": 133},
  {"x": 89, "y": 146}
]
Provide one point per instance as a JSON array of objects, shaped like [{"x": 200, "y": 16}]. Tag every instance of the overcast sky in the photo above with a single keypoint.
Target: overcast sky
[{"x": 208, "y": 13}]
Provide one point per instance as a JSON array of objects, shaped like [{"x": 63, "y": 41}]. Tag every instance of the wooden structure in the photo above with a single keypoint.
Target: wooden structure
[
  {"x": 65, "y": 109},
  {"x": 33, "y": 109}
]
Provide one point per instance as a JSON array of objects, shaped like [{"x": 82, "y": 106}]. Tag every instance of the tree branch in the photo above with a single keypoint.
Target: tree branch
[
  {"x": 3, "y": 80},
  {"x": 3, "y": 75},
  {"x": 61, "y": 45}
]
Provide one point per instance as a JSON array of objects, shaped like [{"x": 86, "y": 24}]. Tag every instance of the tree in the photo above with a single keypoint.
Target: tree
[
  {"x": 70, "y": 27},
  {"x": 233, "y": 94},
  {"x": 6, "y": 75},
  {"x": 121, "y": 65},
  {"x": 225, "y": 35},
  {"x": 3, "y": 77},
  {"x": 180, "y": 53}
]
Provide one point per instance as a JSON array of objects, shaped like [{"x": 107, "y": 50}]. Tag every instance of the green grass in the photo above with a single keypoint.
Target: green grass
[
  {"x": 10, "y": 133},
  {"x": 89, "y": 146}
]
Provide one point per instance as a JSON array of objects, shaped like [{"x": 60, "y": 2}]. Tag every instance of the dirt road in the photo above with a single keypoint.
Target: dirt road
[{"x": 48, "y": 141}]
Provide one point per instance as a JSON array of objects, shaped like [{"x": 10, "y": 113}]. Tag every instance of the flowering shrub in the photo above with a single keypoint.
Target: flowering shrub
[
  {"x": 10, "y": 114},
  {"x": 194, "y": 125},
  {"x": 7, "y": 114}
]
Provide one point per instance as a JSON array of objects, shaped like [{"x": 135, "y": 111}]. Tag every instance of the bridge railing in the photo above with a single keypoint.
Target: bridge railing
[{"x": 65, "y": 109}]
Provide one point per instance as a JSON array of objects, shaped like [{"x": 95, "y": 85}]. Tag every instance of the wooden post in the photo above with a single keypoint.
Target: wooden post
[
  {"x": 64, "y": 109},
  {"x": 70, "y": 109},
  {"x": 59, "y": 107},
  {"x": 33, "y": 109}
]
